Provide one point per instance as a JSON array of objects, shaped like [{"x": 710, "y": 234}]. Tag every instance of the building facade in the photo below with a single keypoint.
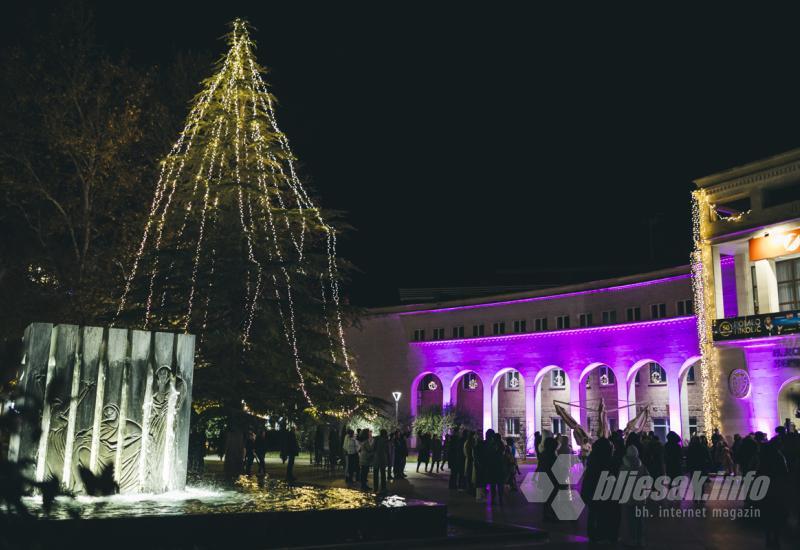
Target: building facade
[
  {"x": 747, "y": 234},
  {"x": 503, "y": 360}
]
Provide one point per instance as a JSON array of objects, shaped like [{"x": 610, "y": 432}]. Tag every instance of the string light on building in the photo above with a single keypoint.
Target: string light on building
[{"x": 702, "y": 290}]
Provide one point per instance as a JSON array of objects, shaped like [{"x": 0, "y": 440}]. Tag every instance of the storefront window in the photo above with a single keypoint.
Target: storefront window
[{"x": 788, "y": 274}]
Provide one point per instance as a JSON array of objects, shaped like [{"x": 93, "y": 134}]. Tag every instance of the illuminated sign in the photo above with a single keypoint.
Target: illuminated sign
[
  {"x": 754, "y": 326},
  {"x": 775, "y": 244}
]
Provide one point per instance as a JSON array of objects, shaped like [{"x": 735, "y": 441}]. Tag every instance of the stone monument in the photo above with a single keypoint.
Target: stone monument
[{"x": 107, "y": 396}]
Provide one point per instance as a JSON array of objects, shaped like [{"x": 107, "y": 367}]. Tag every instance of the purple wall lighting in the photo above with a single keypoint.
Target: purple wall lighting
[
  {"x": 728, "y": 273},
  {"x": 624, "y": 348}
]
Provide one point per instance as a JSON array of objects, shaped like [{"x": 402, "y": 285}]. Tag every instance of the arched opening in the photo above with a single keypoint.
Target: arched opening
[
  {"x": 429, "y": 392},
  {"x": 598, "y": 381},
  {"x": 789, "y": 402},
  {"x": 508, "y": 405},
  {"x": 551, "y": 383},
  {"x": 467, "y": 389},
  {"x": 691, "y": 398},
  {"x": 422, "y": 396},
  {"x": 647, "y": 385}
]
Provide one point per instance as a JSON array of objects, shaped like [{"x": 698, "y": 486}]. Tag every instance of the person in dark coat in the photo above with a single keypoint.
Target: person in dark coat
[
  {"x": 290, "y": 451},
  {"x": 261, "y": 451},
  {"x": 455, "y": 456},
  {"x": 381, "y": 449},
  {"x": 436, "y": 452},
  {"x": 424, "y": 450},
  {"x": 537, "y": 441},
  {"x": 603, "y": 519},
  {"x": 654, "y": 458},
  {"x": 249, "y": 452},
  {"x": 775, "y": 505},
  {"x": 496, "y": 465},
  {"x": 673, "y": 454},
  {"x": 698, "y": 460},
  {"x": 546, "y": 458},
  {"x": 402, "y": 453}
]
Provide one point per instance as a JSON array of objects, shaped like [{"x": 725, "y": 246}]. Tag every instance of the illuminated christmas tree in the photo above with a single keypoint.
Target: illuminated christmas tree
[{"x": 236, "y": 251}]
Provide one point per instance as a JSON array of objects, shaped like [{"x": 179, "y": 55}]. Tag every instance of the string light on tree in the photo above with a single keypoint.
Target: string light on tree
[{"x": 228, "y": 199}]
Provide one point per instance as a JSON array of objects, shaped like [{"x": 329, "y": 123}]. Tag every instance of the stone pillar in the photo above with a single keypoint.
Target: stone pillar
[
  {"x": 487, "y": 405},
  {"x": 767, "y": 282},
  {"x": 744, "y": 285},
  {"x": 530, "y": 408},
  {"x": 622, "y": 399},
  {"x": 674, "y": 396}
]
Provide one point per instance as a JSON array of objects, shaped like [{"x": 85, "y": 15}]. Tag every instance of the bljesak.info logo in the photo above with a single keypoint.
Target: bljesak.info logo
[{"x": 559, "y": 489}]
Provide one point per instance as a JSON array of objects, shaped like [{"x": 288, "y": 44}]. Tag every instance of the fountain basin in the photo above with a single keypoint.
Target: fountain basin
[{"x": 267, "y": 515}]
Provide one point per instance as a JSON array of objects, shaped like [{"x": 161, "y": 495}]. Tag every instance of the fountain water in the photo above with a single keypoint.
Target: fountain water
[{"x": 107, "y": 396}]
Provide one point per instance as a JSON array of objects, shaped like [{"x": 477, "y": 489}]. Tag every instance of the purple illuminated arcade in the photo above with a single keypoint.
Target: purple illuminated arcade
[{"x": 502, "y": 360}]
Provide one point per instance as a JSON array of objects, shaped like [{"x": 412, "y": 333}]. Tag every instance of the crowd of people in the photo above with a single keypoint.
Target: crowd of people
[
  {"x": 643, "y": 453},
  {"x": 476, "y": 465}
]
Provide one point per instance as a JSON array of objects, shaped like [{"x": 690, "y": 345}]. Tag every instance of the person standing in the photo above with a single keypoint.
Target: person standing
[
  {"x": 469, "y": 461},
  {"x": 400, "y": 450},
  {"x": 455, "y": 457},
  {"x": 390, "y": 447},
  {"x": 673, "y": 454},
  {"x": 291, "y": 450},
  {"x": 603, "y": 518},
  {"x": 436, "y": 452},
  {"x": 366, "y": 456},
  {"x": 632, "y": 514},
  {"x": 261, "y": 451},
  {"x": 381, "y": 461},
  {"x": 249, "y": 452},
  {"x": 424, "y": 450},
  {"x": 351, "y": 455}
]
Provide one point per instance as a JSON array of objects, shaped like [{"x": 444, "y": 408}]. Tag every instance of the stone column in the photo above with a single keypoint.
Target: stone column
[
  {"x": 530, "y": 408},
  {"x": 487, "y": 405},
  {"x": 673, "y": 390}
]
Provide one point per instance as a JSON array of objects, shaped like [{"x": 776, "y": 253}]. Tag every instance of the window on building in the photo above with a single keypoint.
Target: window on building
[
  {"x": 540, "y": 324},
  {"x": 690, "y": 375},
  {"x": 788, "y": 274},
  {"x": 512, "y": 426},
  {"x": 470, "y": 381},
  {"x": 692, "y": 426},
  {"x": 477, "y": 330},
  {"x": 658, "y": 311},
  {"x": 521, "y": 326},
  {"x": 609, "y": 317},
  {"x": 633, "y": 314},
  {"x": 606, "y": 376},
  {"x": 661, "y": 428},
  {"x": 438, "y": 334},
  {"x": 558, "y": 378},
  {"x": 562, "y": 322},
  {"x": 499, "y": 328},
  {"x": 755, "y": 288},
  {"x": 419, "y": 335},
  {"x": 512, "y": 380},
  {"x": 657, "y": 374},
  {"x": 685, "y": 307},
  {"x": 458, "y": 332},
  {"x": 557, "y": 425},
  {"x": 585, "y": 319}
]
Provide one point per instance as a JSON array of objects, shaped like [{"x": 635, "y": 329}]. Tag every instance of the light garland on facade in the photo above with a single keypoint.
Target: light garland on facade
[
  {"x": 735, "y": 218},
  {"x": 703, "y": 294},
  {"x": 236, "y": 106}
]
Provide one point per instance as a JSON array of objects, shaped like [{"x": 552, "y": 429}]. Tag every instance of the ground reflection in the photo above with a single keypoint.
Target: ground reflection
[{"x": 245, "y": 495}]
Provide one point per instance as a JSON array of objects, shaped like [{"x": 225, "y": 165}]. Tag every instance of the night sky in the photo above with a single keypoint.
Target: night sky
[{"x": 481, "y": 143}]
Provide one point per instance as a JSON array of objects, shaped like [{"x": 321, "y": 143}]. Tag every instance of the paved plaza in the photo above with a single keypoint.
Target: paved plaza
[{"x": 661, "y": 532}]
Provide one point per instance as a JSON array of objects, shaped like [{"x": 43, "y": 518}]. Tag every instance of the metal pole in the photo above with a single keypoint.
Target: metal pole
[{"x": 396, "y": 405}]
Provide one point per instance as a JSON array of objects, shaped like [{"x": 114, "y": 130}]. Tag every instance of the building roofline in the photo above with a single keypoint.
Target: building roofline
[
  {"x": 748, "y": 169},
  {"x": 603, "y": 285}
]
